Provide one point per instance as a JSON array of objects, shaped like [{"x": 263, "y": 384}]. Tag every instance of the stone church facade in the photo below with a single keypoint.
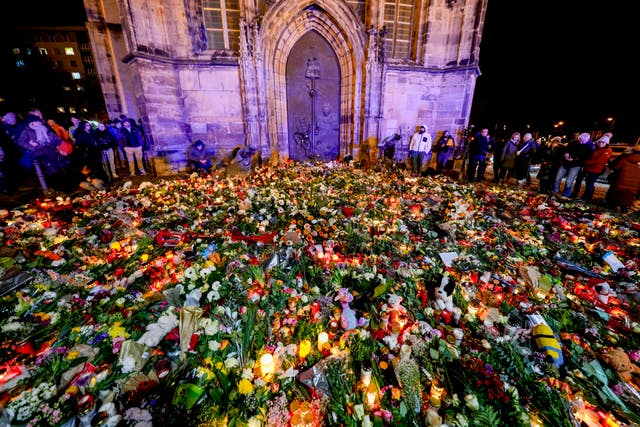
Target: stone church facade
[{"x": 294, "y": 79}]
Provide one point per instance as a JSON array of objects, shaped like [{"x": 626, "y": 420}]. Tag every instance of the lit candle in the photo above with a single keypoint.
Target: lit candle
[
  {"x": 304, "y": 348},
  {"x": 365, "y": 377},
  {"x": 436, "y": 393},
  {"x": 323, "y": 338},
  {"x": 473, "y": 310},
  {"x": 267, "y": 364},
  {"x": 315, "y": 311},
  {"x": 372, "y": 395}
]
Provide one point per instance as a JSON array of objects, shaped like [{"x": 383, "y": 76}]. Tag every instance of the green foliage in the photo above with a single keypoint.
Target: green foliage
[
  {"x": 356, "y": 239},
  {"x": 487, "y": 416},
  {"x": 362, "y": 347},
  {"x": 252, "y": 338},
  {"x": 341, "y": 381},
  {"x": 560, "y": 317}
]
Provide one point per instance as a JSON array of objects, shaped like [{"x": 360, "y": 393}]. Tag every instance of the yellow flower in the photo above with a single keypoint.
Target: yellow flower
[
  {"x": 245, "y": 386},
  {"x": 72, "y": 354},
  {"x": 205, "y": 373},
  {"x": 118, "y": 331}
]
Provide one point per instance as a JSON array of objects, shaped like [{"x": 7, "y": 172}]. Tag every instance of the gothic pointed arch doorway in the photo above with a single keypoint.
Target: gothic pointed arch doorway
[
  {"x": 283, "y": 25},
  {"x": 313, "y": 99}
]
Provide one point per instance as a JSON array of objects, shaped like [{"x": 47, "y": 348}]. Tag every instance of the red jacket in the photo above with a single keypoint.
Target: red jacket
[{"x": 597, "y": 163}]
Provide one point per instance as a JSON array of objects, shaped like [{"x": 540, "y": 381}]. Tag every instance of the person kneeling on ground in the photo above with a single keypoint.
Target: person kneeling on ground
[{"x": 199, "y": 157}]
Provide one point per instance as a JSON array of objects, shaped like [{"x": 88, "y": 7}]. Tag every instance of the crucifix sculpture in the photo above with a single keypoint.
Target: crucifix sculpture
[{"x": 313, "y": 73}]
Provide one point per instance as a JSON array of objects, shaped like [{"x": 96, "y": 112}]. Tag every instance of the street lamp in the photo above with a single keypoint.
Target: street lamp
[{"x": 612, "y": 121}]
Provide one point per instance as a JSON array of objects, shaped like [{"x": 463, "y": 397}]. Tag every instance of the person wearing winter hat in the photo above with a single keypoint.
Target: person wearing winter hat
[
  {"x": 39, "y": 142},
  {"x": 199, "y": 157},
  {"x": 603, "y": 141},
  {"x": 606, "y": 138},
  {"x": 420, "y": 149},
  {"x": 595, "y": 166}
]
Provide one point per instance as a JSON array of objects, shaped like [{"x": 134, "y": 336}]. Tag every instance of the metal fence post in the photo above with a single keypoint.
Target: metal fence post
[{"x": 40, "y": 175}]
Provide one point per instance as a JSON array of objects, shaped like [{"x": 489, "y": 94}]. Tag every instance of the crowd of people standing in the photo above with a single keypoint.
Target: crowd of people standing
[
  {"x": 87, "y": 155},
  {"x": 82, "y": 156},
  {"x": 564, "y": 165}
]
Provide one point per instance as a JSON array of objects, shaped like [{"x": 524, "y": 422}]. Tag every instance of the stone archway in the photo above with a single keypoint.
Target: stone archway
[
  {"x": 313, "y": 99},
  {"x": 282, "y": 26}
]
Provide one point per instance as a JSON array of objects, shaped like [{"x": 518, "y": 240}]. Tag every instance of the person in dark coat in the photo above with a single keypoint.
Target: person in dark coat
[
  {"x": 573, "y": 158},
  {"x": 625, "y": 188},
  {"x": 199, "y": 157},
  {"x": 10, "y": 161},
  {"x": 478, "y": 149},
  {"x": 108, "y": 145},
  {"x": 526, "y": 150},
  {"x": 507, "y": 159},
  {"x": 134, "y": 145},
  {"x": 445, "y": 147},
  {"x": 87, "y": 151},
  {"x": 37, "y": 142},
  {"x": 551, "y": 157}
]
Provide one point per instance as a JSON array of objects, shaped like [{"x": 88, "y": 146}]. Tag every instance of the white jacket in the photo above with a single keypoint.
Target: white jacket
[{"x": 421, "y": 141}]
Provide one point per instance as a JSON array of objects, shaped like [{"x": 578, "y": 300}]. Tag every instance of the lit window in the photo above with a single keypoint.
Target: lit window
[
  {"x": 222, "y": 19},
  {"x": 398, "y": 20},
  {"x": 20, "y": 63},
  {"x": 43, "y": 51},
  {"x": 69, "y": 51},
  {"x": 16, "y": 51},
  {"x": 76, "y": 76}
]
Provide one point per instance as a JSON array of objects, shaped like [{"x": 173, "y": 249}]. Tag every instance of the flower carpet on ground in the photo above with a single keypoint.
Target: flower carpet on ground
[{"x": 318, "y": 295}]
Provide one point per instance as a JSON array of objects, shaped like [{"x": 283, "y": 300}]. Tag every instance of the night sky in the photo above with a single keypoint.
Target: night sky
[
  {"x": 540, "y": 62},
  {"x": 546, "y": 61}
]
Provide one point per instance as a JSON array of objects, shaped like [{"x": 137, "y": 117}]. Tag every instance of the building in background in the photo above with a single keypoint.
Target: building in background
[
  {"x": 298, "y": 79},
  {"x": 50, "y": 68}
]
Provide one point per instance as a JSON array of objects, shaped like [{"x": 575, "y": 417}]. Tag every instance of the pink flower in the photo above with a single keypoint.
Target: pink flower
[
  {"x": 634, "y": 355},
  {"x": 117, "y": 343}
]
